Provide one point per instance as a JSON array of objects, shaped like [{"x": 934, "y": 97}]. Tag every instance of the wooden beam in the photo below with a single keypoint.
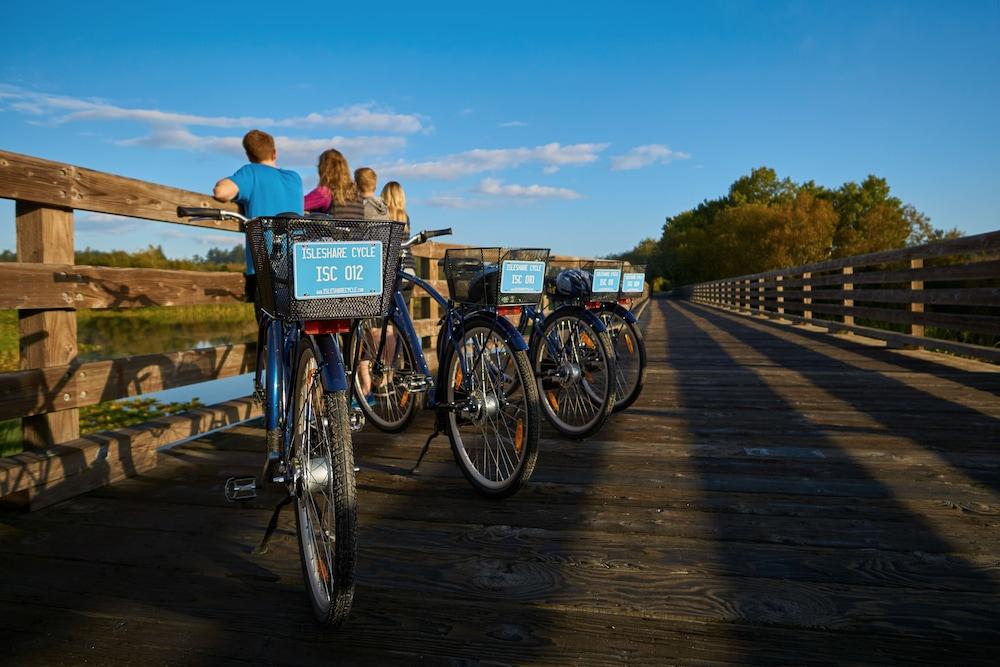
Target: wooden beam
[
  {"x": 58, "y": 388},
  {"x": 42, "y": 477},
  {"x": 56, "y": 184},
  {"x": 46, "y": 337},
  {"x": 62, "y": 285}
]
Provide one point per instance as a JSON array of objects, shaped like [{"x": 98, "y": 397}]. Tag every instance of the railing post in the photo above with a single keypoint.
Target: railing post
[
  {"x": 780, "y": 288},
  {"x": 807, "y": 312},
  {"x": 760, "y": 295},
  {"x": 47, "y": 337},
  {"x": 848, "y": 303},
  {"x": 916, "y": 286}
]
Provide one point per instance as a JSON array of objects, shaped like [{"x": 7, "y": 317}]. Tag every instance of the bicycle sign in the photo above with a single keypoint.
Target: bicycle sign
[
  {"x": 521, "y": 277},
  {"x": 633, "y": 282},
  {"x": 334, "y": 269},
  {"x": 606, "y": 280}
]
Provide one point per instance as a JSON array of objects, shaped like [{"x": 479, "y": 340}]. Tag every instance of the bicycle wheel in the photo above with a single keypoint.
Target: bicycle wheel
[
  {"x": 494, "y": 435},
  {"x": 574, "y": 367},
  {"x": 630, "y": 358},
  {"x": 325, "y": 496},
  {"x": 395, "y": 406}
]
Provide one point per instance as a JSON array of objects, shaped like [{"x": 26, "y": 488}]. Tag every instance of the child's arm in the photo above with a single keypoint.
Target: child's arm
[
  {"x": 225, "y": 190},
  {"x": 318, "y": 200}
]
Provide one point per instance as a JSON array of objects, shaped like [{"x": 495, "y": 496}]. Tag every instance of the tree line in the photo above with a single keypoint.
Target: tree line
[
  {"x": 216, "y": 259},
  {"x": 765, "y": 223}
]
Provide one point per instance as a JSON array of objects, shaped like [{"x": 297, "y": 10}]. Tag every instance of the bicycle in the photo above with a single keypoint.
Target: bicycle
[
  {"x": 480, "y": 394},
  {"x": 602, "y": 288},
  {"x": 315, "y": 275},
  {"x": 572, "y": 358},
  {"x": 627, "y": 339}
]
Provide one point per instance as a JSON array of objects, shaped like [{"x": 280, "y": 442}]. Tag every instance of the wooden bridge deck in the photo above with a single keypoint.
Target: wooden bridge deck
[{"x": 776, "y": 496}]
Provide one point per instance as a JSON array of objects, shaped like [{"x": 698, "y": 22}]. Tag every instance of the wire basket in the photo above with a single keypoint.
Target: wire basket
[
  {"x": 496, "y": 276},
  {"x": 633, "y": 281},
  {"x": 601, "y": 280},
  {"x": 345, "y": 269}
]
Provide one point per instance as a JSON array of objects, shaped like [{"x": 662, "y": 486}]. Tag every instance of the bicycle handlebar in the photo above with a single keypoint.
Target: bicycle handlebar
[
  {"x": 423, "y": 237},
  {"x": 211, "y": 213}
]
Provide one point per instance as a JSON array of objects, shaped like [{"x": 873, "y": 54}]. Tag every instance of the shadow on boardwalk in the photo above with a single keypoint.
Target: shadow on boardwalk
[{"x": 753, "y": 507}]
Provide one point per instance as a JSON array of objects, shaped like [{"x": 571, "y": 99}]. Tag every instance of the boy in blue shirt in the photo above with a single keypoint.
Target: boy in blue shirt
[{"x": 261, "y": 189}]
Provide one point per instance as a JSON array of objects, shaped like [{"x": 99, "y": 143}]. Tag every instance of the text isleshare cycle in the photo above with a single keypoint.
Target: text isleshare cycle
[{"x": 316, "y": 275}]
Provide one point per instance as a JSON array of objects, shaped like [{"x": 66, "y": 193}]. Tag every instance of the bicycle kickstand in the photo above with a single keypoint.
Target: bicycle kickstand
[{"x": 437, "y": 431}]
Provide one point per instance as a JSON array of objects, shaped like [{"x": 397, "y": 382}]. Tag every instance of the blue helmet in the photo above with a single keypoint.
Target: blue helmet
[{"x": 573, "y": 284}]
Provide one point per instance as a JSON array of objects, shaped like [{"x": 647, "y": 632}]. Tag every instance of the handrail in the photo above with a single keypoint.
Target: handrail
[{"x": 941, "y": 294}]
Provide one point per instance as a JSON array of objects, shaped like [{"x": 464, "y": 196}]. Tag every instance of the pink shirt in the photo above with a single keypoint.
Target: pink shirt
[{"x": 319, "y": 199}]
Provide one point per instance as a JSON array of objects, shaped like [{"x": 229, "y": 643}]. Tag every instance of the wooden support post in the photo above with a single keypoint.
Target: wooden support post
[
  {"x": 848, "y": 287},
  {"x": 47, "y": 337},
  {"x": 760, "y": 295},
  {"x": 807, "y": 312},
  {"x": 781, "y": 299},
  {"x": 916, "y": 286}
]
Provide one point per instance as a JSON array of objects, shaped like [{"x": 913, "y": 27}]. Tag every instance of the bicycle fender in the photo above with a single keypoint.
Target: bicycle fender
[
  {"x": 582, "y": 313},
  {"x": 331, "y": 363},
  {"x": 507, "y": 331},
  {"x": 621, "y": 311}
]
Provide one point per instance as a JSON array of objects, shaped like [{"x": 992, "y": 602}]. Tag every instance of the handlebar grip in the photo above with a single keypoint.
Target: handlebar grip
[
  {"x": 431, "y": 233},
  {"x": 197, "y": 212}
]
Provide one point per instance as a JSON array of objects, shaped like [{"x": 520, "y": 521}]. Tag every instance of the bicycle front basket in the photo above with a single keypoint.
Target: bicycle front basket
[
  {"x": 321, "y": 268},
  {"x": 633, "y": 281},
  {"x": 583, "y": 280},
  {"x": 495, "y": 276}
]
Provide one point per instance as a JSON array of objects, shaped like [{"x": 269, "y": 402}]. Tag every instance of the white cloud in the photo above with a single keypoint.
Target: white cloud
[
  {"x": 493, "y": 186},
  {"x": 455, "y": 201},
  {"x": 643, "y": 156},
  {"x": 480, "y": 160},
  {"x": 291, "y": 150},
  {"x": 63, "y": 109},
  {"x": 514, "y": 123},
  {"x": 88, "y": 222}
]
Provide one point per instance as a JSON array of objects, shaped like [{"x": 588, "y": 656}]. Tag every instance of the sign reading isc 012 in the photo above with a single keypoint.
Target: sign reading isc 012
[{"x": 337, "y": 269}]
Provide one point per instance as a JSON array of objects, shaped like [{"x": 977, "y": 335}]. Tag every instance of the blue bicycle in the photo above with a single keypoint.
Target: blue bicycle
[
  {"x": 316, "y": 275},
  {"x": 483, "y": 392}
]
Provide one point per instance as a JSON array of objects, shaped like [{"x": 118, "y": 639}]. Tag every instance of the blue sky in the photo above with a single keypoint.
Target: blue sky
[{"x": 577, "y": 126}]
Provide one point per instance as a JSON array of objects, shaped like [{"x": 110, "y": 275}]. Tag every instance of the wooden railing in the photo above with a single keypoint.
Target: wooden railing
[
  {"x": 944, "y": 295},
  {"x": 47, "y": 288}
]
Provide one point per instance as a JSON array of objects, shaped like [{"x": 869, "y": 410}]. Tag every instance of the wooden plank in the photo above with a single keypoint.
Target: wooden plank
[
  {"x": 970, "y": 296},
  {"x": 41, "y": 477},
  {"x": 46, "y": 337},
  {"x": 49, "y": 183},
  {"x": 33, "y": 286},
  {"x": 71, "y": 386},
  {"x": 976, "y": 351}
]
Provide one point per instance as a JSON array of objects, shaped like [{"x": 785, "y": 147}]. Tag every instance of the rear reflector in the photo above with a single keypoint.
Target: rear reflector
[
  {"x": 507, "y": 311},
  {"x": 593, "y": 305},
  {"x": 313, "y": 327},
  {"x": 624, "y": 302}
]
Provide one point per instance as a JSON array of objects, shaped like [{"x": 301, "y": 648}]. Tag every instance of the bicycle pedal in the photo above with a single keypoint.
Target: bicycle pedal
[
  {"x": 356, "y": 419},
  {"x": 241, "y": 488}
]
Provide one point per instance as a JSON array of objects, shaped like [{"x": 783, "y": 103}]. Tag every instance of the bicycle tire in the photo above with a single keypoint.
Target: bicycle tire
[
  {"x": 325, "y": 493},
  {"x": 522, "y": 441},
  {"x": 630, "y": 358},
  {"x": 581, "y": 399},
  {"x": 396, "y": 407}
]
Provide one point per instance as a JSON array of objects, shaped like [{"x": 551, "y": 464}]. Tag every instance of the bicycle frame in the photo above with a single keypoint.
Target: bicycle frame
[
  {"x": 282, "y": 341},
  {"x": 453, "y": 327}
]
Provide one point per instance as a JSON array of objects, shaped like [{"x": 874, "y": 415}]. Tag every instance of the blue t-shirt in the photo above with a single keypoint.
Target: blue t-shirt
[{"x": 266, "y": 190}]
